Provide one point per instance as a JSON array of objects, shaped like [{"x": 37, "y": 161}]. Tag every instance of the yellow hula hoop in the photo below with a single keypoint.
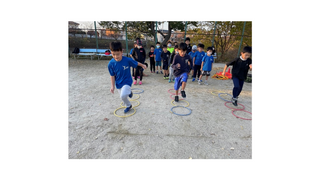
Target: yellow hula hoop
[
  {"x": 136, "y": 95},
  {"x": 123, "y": 116},
  {"x": 215, "y": 93},
  {"x": 131, "y": 100},
  {"x": 180, "y": 100}
]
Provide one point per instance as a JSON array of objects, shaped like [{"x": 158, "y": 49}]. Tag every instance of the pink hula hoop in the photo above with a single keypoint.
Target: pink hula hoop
[
  {"x": 173, "y": 93},
  {"x": 180, "y": 98},
  {"x": 232, "y": 107},
  {"x": 241, "y": 117}
]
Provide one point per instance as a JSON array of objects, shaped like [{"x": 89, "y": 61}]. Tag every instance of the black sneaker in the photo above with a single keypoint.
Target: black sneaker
[
  {"x": 176, "y": 98},
  {"x": 130, "y": 95},
  {"x": 234, "y": 101},
  {"x": 183, "y": 94}
]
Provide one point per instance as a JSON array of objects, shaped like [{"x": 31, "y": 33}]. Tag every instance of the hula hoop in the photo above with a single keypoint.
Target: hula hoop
[
  {"x": 216, "y": 92},
  {"x": 123, "y": 116},
  {"x": 136, "y": 95},
  {"x": 241, "y": 117},
  {"x": 137, "y": 89},
  {"x": 180, "y": 114},
  {"x": 222, "y": 98},
  {"x": 180, "y": 105},
  {"x": 173, "y": 93},
  {"x": 232, "y": 107},
  {"x": 131, "y": 100}
]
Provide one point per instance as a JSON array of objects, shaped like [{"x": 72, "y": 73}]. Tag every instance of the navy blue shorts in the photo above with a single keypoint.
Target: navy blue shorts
[
  {"x": 178, "y": 80},
  {"x": 165, "y": 65}
]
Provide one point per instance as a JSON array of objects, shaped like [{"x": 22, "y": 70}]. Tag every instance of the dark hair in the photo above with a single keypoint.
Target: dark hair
[
  {"x": 183, "y": 46},
  {"x": 169, "y": 42},
  {"x": 152, "y": 46},
  {"x": 209, "y": 48},
  {"x": 164, "y": 46},
  {"x": 176, "y": 47},
  {"x": 187, "y": 39},
  {"x": 116, "y": 46},
  {"x": 157, "y": 43},
  {"x": 201, "y": 45},
  {"x": 175, "y": 42},
  {"x": 247, "y": 49}
]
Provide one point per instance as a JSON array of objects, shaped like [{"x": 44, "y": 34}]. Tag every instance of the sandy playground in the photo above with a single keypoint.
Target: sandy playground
[{"x": 153, "y": 132}]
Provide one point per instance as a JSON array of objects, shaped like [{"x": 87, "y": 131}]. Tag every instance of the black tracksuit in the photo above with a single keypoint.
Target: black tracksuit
[
  {"x": 152, "y": 62},
  {"x": 140, "y": 56}
]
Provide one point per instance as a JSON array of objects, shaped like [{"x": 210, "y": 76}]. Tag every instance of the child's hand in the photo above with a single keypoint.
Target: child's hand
[
  {"x": 223, "y": 73},
  {"x": 178, "y": 65},
  {"x": 144, "y": 66},
  {"x": 250, "y": 67},
  {"x": 112, "y": 90}
]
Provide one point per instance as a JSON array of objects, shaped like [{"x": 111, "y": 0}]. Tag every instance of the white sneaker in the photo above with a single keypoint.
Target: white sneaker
[
  {"x": 206, "y": 83},
  {"x": 199, "y": 82}
]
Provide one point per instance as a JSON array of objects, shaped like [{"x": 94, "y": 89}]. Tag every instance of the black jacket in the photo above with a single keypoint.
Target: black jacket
[
  {"x": 139, "y": 55},
  {"x": 240, "y": 68},
  {"x": 189, "y": 48}
]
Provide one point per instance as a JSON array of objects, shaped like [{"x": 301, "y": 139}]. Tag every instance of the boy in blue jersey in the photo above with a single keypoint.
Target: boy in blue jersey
[
  {"x": 197, "y": 60},
  {"x": 180, "y": 65},
  {"x": 119, "y": 69},
  {"x": 191, "y": 54},
  {"x": 157, "y": 56},
  {"x": 206, "y": 65}
]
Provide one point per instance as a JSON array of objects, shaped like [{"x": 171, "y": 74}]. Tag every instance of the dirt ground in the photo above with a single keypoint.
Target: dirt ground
[{"x": 153, "y": 132}]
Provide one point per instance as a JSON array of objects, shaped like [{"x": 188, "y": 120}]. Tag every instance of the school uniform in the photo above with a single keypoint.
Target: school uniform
[
  {"x": 197, "y": 63},
  {"x": 165, "y": 59},
  {"x": 158, "y": 52},
  {"x": 207, "y": 65}
]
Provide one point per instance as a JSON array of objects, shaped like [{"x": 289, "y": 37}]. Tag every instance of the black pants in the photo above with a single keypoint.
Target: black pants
[
  {"x": 152, "y": 65},
  {"x": 238, "y": 84},
  {"x": 138, "y": 72},
  {"x": 196, "y": 70}
]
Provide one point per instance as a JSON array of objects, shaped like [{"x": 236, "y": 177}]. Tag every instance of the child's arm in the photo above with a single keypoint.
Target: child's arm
[
  {"x": 224, "y": 70},
  {"x": 201, "y": 65},
  {"x": 250, "y": 67},
  {"x": 142, "y": 65},
  {"x": 112, "y": 84},
  {"x": 194, "y": 58}
]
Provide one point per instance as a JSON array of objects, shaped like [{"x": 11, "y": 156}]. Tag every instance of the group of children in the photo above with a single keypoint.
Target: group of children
[{"x": 178, "y": 61}]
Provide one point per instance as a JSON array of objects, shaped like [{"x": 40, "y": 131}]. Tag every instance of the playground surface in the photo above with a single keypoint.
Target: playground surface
[{"x": 153, "y": 132}]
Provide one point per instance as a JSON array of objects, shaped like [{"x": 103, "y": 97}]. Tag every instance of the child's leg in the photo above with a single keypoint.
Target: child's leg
[
  {"x": 237, "y": 87},
  {"x": 194, "y": 71},
  {"x": 136, "y": 73},
  {"x": 198, "y": 70},
  {"x": 124, "y": 94},
  {"x": 200, "y": 77},
  {"x": 141, "y": 72},
  {"x": 183, "y": 86},
  {"x": 207, "y": 77}
]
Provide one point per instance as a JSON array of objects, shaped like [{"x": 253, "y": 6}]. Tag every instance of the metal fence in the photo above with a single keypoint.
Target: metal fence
[{"x": 226, "y": 45}]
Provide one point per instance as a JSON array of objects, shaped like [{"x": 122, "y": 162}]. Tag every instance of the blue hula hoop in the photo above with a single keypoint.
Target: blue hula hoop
[
  {"x": 137, "y": 89},
  {"x": 224, "y": 99},
  {"x": 181, "y": 114}
]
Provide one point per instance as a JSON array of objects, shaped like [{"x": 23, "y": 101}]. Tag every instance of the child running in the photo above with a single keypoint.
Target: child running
[
  {"x": 119, "y": 69},
  {"x": 157, "y": 56},
  {"x": 180, "y": 66},
  {"x": 241, "y": 66},
  {"x": 206, "y": 65},
  {"x": 165, "y": 56}
]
